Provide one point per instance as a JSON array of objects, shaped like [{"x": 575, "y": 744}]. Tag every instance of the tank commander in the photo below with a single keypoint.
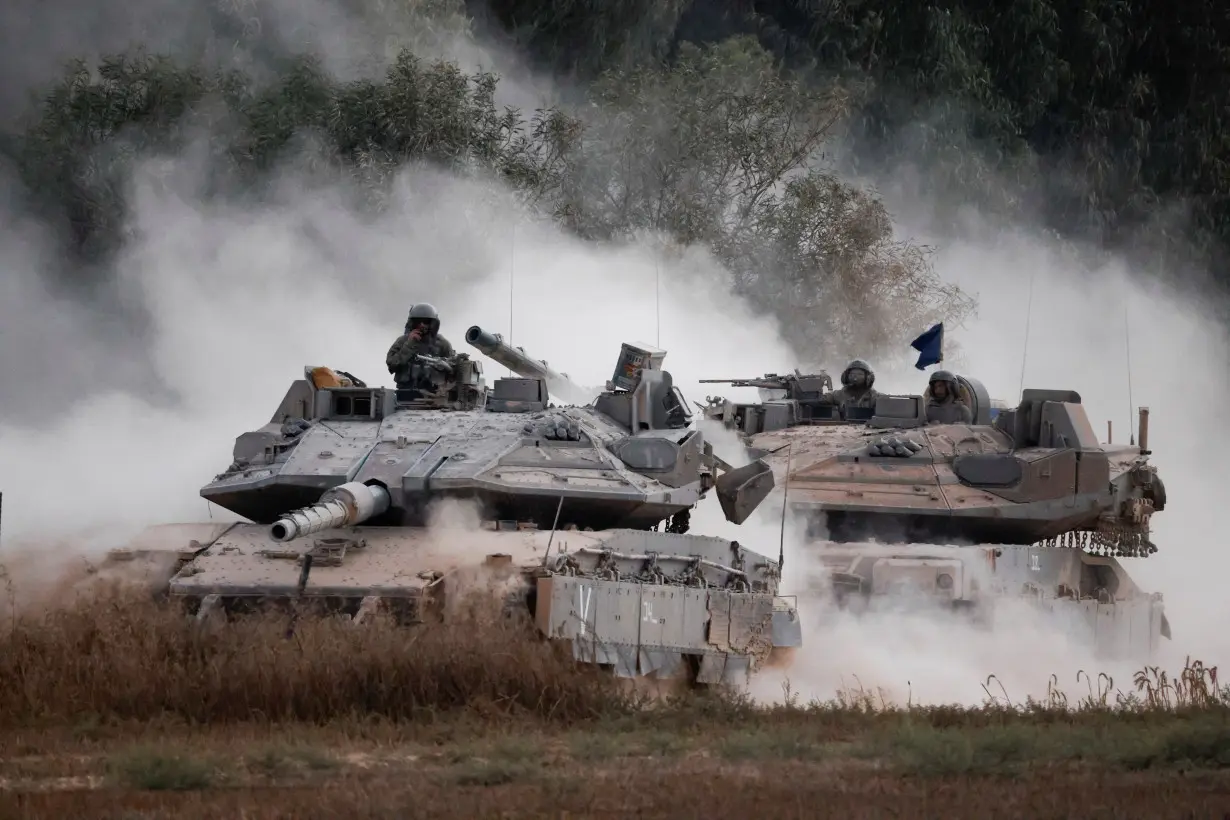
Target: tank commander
[
  {"x": 421, "y": 336},
  {"x": 944, "y": 405},
  {"x": 856, "y": 388}
]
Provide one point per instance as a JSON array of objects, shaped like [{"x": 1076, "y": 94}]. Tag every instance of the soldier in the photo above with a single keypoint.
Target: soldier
[
  {"x": 945, "y": 405},
  {"x": 421, "y": 336},
  {"x": 856, "y": 388}
]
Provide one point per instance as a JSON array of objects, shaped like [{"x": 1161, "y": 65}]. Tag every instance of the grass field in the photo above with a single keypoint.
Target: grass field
[{"x": 117, "y": 708}]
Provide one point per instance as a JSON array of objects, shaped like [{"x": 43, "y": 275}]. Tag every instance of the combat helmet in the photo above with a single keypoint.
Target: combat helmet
[
  {"x": 424, "y": 311},
  {"x": 954, "y": 389},
  {"x": 861, "y": 365}
]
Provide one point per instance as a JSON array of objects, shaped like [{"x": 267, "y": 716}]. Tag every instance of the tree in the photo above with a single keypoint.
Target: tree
[
  {"x": 723, "y": 150},
  {"x": 1091, "y": 114},
  {"x": 719, "y": 150}
]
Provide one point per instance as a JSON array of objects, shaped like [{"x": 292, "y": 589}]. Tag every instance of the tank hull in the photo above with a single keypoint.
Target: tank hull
[
  {"x": 1088, "y": 599},
  {"x": 645, "y": 604}
]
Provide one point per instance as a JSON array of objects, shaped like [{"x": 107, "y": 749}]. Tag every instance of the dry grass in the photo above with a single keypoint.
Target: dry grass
[
  {"x": 122, "y": 657},
  {"x": 119, "y": 656},
  {"x": 119, "y": 707}
]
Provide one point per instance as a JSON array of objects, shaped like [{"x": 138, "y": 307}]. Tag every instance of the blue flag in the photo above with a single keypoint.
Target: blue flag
[{"x": 930, "y": 347}]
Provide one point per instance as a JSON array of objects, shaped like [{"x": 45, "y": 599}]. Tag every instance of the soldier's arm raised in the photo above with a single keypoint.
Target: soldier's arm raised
[{"x": 397, "y": 353}]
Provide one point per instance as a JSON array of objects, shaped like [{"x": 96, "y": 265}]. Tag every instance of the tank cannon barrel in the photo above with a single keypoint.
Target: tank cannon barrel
[
  {"x": 515, "y": 359},
  {"x": 342, "y": 506}
]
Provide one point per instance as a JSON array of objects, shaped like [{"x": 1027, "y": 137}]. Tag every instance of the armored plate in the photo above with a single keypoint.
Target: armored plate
[{"x": 641, "y": 602}]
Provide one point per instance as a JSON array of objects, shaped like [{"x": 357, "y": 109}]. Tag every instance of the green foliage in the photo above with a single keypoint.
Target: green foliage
[
  {"x": 1091, "y": 112},
  {"x": 78, "y": 155},
  {"x": 719, "y": 151},
  {"x": 153, "y": 769}
]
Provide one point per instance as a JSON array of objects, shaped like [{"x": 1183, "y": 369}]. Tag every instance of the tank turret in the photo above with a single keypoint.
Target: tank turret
[{"x": 630, "y": 458}]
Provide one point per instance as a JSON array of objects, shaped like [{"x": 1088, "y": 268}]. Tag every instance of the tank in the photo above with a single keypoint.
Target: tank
[
  {"x": 584, "y": 506},
  {"x": 1024, "y": 502}
]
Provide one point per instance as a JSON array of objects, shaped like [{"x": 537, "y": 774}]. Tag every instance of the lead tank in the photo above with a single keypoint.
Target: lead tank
[
  {"x": 1024, "y": 502},
  {"x": 340, "y": 487}
]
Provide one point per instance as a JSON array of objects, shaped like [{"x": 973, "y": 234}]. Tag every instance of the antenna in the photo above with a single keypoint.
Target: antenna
[
  {"x": 657, "y": 296},
  {"x": 1127, "y": 346},
  {"x": 1029, "y": 308},
  {"x": 554, "y": 524},
  {"x": 781, "y": 541},
  {"x": 512, "y": 274}
]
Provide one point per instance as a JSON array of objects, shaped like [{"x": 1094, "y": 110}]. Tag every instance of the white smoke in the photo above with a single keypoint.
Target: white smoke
[
  {"x": 1087, "y": 330},
  {"x": 243, "y": 297}
]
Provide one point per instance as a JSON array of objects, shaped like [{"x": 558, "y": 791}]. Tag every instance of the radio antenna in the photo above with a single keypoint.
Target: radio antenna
[
  {"x": 657, "y": 296},
  {"x": 1127, "y": 347},
  {"x": 512, "y": 275},
  {"x": 781, "y": 539},
  {"x": 554, "y": 525},
  {"x": 1029, "y": 308}
]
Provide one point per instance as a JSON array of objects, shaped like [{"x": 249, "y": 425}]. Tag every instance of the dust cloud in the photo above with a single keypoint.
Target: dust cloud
[
  {"x": 1123, "y": 338},
  {"x": 242, "y": 298}
]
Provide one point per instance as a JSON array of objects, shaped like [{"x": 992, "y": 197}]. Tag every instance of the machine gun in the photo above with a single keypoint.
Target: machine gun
[
  {"x": 784, "y": 401},
  {"x": 456, "y": 383},
  {"x": 435, "y": 363},
  {"x": 796, "y": 385}
]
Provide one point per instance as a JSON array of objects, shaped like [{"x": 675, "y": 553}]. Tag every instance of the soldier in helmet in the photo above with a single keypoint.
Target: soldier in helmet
[
  {"x": 856, "y": 388},
  {"x": 421, "y": 336},
  {"x": 944, "y": 405}
]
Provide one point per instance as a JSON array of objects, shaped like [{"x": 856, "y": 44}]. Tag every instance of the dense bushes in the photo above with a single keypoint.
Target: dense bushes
[
  {"x": 718, "y": 150},
  {"x": 1096, "y": 115}
]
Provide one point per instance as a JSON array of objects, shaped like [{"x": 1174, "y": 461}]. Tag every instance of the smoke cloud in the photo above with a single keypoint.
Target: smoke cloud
[
  {"x": 1123, "y": 337},
  {"x": 241, "y": 298}
]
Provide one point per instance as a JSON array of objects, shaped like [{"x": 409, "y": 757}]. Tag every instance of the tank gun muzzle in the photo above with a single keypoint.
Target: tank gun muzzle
[{"x": 342, "y": 506}]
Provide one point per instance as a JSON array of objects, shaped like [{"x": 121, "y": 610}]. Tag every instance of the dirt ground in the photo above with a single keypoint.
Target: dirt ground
[{"x": 1145, "y": 769}]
